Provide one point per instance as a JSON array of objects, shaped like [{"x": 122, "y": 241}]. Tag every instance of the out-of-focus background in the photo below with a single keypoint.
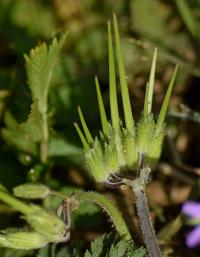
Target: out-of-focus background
[{"x": 171, "y": 26}]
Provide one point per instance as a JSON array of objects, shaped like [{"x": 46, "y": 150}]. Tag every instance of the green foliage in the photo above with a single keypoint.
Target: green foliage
[
  {"x": 17, "y": 253},
  {"x": 35, "y": 16},
  {"x": 41, "y": 146},
  {"x": 173, "y": 43},
  {"x": 189, "y": 19},
  {"x": 25, "y": 136},
  {"x": 39, "y": 65},
  {"x": 18, "y": 136},
  {"x": 110, "y": 246}
]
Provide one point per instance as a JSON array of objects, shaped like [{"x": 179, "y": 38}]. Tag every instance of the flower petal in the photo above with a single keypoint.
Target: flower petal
[
  {"x": 191, "y": 209},
  {"x": 193, "y": 238}
]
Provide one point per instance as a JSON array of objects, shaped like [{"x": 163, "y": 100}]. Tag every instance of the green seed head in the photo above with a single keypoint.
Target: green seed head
[
  {"x": 47, "y": 224},
  {"x": 95, "y": 161},
  {"x": 120, "y": 146},
  {"x": 130, "y": 150},
  {"x": 24, "y": 240},
  {"x": 31, "y": 191},
  {"x": 149, "y": 139}
]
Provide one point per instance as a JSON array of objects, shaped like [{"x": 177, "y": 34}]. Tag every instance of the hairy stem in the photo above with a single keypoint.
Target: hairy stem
[
  {"x": 138, "y": 187},
  {"x": 107, "y": 206}
]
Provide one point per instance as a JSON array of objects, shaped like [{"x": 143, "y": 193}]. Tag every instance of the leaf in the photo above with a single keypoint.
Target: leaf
[
  {"x": 16, "y": 253},
  {"x": 23, "y": 136},
  {"x": 34, "y": 17},
  {"x": 100, "y": 246},
  {"x": 58, "y": 146},
  {"x": 16, "y": 136},
  {"x": 33, "y": 126},
  {"x": 39, "y": 66},
  {"x": 126, "y": 248},
  {"x": 110, "y": 246}
]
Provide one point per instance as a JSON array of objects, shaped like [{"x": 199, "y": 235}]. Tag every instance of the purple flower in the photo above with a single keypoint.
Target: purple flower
[{"x": 192, "y": 209}]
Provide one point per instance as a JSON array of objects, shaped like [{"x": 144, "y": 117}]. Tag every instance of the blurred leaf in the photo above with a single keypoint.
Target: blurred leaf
[
  {"x": 18, "y": 136},
  {"x": 150, "y": 17},
  {"x": 34, "y": 16},
  {"x": 70, "y": 251},
  {"x": 188, "y": 18},
  {"x": 3, "y": 188},
  {"x": 60, "y": 147},
  {"x": 44, "y": 252},
  {"x": 16, "y": 253},
  {"x": 156, "y": 25}
]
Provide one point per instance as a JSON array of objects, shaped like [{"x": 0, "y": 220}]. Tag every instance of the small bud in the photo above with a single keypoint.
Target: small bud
[
  {"x": 47, "y": 224},
  {"x": 31, "y": 191},
  {"x": 22, "y": 240}
]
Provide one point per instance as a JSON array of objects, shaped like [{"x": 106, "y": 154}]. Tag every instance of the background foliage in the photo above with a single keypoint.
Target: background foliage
[{"x": 173, "y": 27}]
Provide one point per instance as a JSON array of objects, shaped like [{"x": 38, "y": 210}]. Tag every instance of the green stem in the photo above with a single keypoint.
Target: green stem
[
  {"x": 16, "y": 204},
  {"x": 108, "y": 206},
  {"x": 45, "y": 139},
  {"x": 138, "y": 187}
]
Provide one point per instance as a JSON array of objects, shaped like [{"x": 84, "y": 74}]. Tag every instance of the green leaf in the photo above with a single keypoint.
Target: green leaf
[
  {"x": 17, "y": 136},
  {"x": 100, "y": 246},
  {"x": 110, "y": 246},
  {"x": 24, "y": 136},
  {"x": 39, "y": 66},
  {"x": 126, "y": 249},
  {"x": 33, "y": 126},
  {"x": 59, "y": 146}
]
